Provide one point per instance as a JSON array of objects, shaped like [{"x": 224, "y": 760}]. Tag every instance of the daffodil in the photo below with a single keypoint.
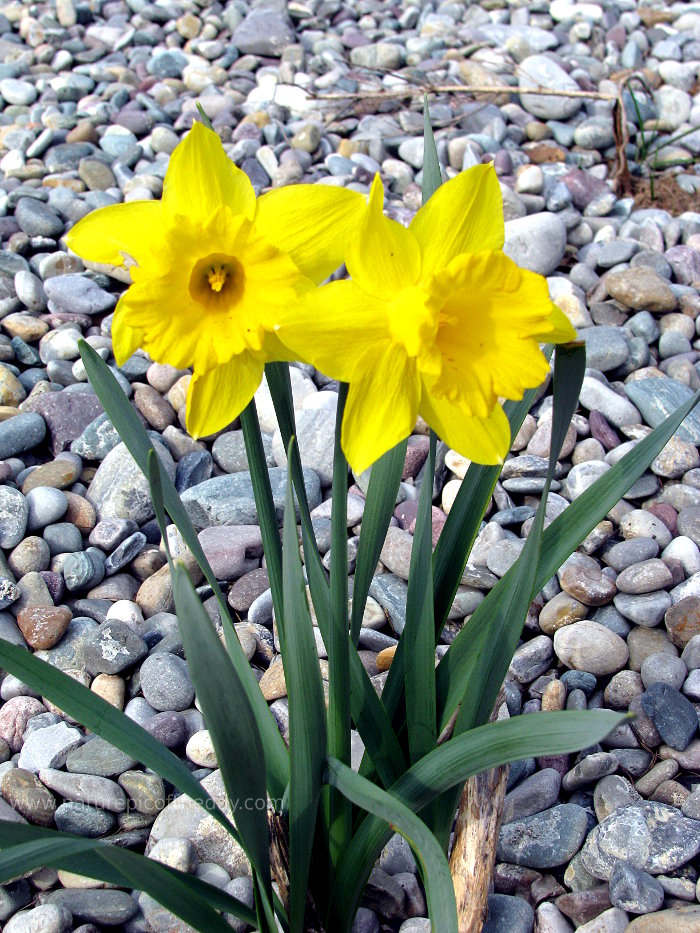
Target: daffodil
[
  {"x": 213, "y": 270},
  {"x": 435, "y": 320}
]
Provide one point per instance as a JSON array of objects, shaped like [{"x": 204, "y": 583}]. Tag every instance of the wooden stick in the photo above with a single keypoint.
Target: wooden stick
[
  {"x": 400, "y": 93},
  {"x": 476, "y": 838}
]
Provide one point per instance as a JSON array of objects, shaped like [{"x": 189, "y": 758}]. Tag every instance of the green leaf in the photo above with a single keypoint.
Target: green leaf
[
  {"x": 111, "y": 724},
  {"x": 472, "y": 671},
  {"x": 569, "y": 529},
  {"x": 435, "y": 871},
  {"x": 450, "y": 765},
  {"x": 380, "y": 502},
  {"x": 419, "y": 631},
  {"x": 432, "y": 176},
  {"x": 264, "y": 503},
  {"x": 462, "y": 526},
  {"x": 366, "y": 707},
  {"x": 235, "y": 738},
  {"x": 134, "y": 436},
  {"x": 307, "y": 715},
  {"x": 26, "y": 848},
  {"x": 340, "y": 812}
]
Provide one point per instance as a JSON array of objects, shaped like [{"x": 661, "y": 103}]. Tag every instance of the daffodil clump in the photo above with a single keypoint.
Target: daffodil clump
[{"x": 434, "y": 320}]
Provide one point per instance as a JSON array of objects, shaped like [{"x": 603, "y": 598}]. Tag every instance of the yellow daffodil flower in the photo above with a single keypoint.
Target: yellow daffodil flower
[
  {"x": 436, "y": 320},
  {"x": 215, "y": 270}
]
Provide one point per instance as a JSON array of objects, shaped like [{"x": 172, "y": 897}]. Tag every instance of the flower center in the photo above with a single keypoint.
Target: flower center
[{"x": 217, "y": 281}]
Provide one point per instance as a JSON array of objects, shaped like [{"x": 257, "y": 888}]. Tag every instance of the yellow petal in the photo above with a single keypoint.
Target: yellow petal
[
  {"x": 465, "y": 215},
  {"x": 383, "y": 257},
  {"x": 382, "y": 405},
  {"x": 215, "y": 398},
  {"x": 333, "y": 326},
  {"x": 105, "y": 235},
  {"x": 125, "y": 340},
  {"x": 312, "y": 223},
  {"x": 483, "y": 440},
  {"x": 201, "y": 178}
]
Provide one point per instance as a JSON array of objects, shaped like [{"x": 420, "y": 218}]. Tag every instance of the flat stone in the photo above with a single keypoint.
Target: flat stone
[
  {"x": 25, "y": 792},
  {"x": 641, "y": 289},
  {"x": 657, "y": 398},
  {"x": 14, "y": 513},
  {"x": 676, "y": 920},
  {"x": 98, "y": 757},
  {"x": 78, "y": 294},
  {"x": 673, "y": 714},
  {"x": 113, "y": 648},
  {"x": 651, "y": 836},
  {"x": 536, "y": 793},
  {"x": 508, "y": 915},
  {"x": 48, "y": 747},
  {"x": 44, "y": 626},
  {"x": 229, "y": 499},
  {"x": 544, "y": 840},
  {"x": 536, "y": 242},
  {"x": 21, "y": 433},
  {"x": 80, "y": 819},
  {"x": 542, "y": 71},
  {"x": 98, "y": 906}
]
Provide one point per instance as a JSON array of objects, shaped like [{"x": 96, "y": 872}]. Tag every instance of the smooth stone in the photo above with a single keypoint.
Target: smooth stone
[
  {"x": 597, "y": 396},
  {"x": 508, "y": 915},
  {"x": 83, "y": 820},
  {"x": 78, "y": 294},
  {"x": 673, "y": 714},
  {"x": 166, "y": 682},
  {"x": 45, "y": 918},
  {"x": 606, "y": 347},
  {"x": 536, "y": 793},
  {"x": 85, "y": 788},
  {"x": 542, "y": 71},
  {"x": 20, "y": 434},
  {"x": 27, "y": 795},
  {"x": 98, "y": 757},
  {"x": 657, "y": 398},
  {"x": 676, "y": 920},
  {"x": 112, "y": 648},
  {"x": 589, "y": 646},
  {"x": 544, "y": 840},
  {"x": 536, "y": 242},
  {"x": 14, "y": 513},
  {"x": 98, "y": 906},
  {"x": 48, "y": 747}
]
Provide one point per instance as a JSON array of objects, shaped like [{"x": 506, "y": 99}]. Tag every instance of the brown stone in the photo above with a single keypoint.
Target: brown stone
[
  {"x": 385, "y": 658},
  {"x": 157, "y": 412},
  {"x": 683, "y": 620},
  {"x": 582, "y": 906},
  {"x": 26, "y": 326},
  {"x": 148, "y": 562},
  {"x": 80, "y": 513},
  {"x": 273, "y": 683},
  {"x": 678, "y": 920},
  {"x": 110, "y": 687},
  {"x": 59, "y": 474},
  {"x": 25, "y": 792},
  {"x": 156, "y": 593},
  {"x": 44, "y": 626},
  {"x": 14, "y": 716}
]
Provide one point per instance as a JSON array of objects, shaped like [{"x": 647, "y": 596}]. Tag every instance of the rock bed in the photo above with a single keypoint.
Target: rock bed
[{"x": 96, "y": 96}]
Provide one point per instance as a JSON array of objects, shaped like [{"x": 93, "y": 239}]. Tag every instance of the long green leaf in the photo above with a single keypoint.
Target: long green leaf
[
  {"x": 340, "y": 811},
  {"x": 264, "y": 503},
  {"x": 432, "y": 176},
  {"x": 26, "y": 848},
  {"x": 419, "y": 631},
  {"x": 307, "y": 715},
  {"x": 88, "y": 708},
  {"x": 462, "y": 526},
  {"x": 380, "y": 502},
  {"x": 231, "y": 724},
  {"x": 366, "y": 707},
  {"x": 450, "y": 765},
  {"x": 133, "y": 434},
  {"x": 435, "y": 871},
  {"x": 567, "y": 531}
]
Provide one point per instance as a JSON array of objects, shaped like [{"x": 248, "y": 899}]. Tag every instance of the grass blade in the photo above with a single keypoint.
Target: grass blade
[
  {"x": 379, "y": 507},
  {"x": 340, "y": 811},
  {"x": 435, "y": 871},
  {"x": 307, "y": 715},
  {"x": 25, "y": 848},
  {"x": 111, "y": 724},
  {"x": 132, "y": 432},
  {"x": 450, "y": 765},
  {"x": 419, "y": 631}
]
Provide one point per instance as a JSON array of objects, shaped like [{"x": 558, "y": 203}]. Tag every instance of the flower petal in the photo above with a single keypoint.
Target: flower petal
[
  {"x": 106, "y": 234},
  {"x": 218, "y": 396},
  {"x": 312, "y": 223},
  {"x": 382, "y": 405},
  {"x": 332, "y": 327},
  {"x": 383, "y": 258},
  {"x": 483, "y": 440},
  {"x": 465, "y": 215},
  {"x": 125, "y": 339},
  {"x": 201, "y": 178}
]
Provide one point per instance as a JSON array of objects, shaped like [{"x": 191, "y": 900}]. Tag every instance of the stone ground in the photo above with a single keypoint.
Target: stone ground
[{"x": 95, "y": 96}]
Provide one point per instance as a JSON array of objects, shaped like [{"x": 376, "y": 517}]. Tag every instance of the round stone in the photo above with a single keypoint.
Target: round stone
[
  {"x": 589, "y": 646},
  {"x": 166, "y": 682}
]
